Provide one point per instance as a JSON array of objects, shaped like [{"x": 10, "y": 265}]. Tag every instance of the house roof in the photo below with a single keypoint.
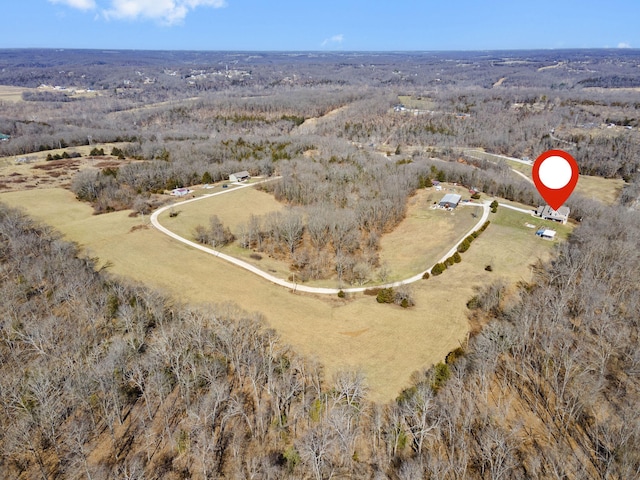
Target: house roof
[
  {"x": 547, "y": 211},
  {"x": 243, "y": 173}
]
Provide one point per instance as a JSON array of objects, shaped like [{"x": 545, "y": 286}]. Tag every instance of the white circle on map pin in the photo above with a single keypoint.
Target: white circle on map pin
[{"x": 555, "y": 172}]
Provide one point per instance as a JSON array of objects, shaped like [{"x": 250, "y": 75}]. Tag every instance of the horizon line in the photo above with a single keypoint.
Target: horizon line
[{"x": 394, "y": 51}]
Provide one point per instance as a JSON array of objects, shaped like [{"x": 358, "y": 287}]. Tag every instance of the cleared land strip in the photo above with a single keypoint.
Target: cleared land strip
[
  {"x": 285, "y": 283},
  {"x": 518, "y": 160},
  {"x": 517, "y": 209}
]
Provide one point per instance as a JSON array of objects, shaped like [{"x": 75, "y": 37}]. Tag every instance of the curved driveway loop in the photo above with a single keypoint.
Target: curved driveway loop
[{"x": 291, "y": 285}]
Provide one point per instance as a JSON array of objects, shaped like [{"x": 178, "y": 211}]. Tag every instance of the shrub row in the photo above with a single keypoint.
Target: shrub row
[
  {"x": 466, "y": 243},
  {"x": 439, "y": 268},
  {"x": 64, "y": 156}
]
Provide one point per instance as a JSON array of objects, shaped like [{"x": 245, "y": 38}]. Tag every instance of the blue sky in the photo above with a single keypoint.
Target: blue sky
[{"x": 320, "y": 25}]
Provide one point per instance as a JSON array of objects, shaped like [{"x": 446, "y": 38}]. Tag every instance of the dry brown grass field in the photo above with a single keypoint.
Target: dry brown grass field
[
  {"x": 233, "y": 208},
  {"x": 12, "y": 94},
  {"x": 425, "y": 234},
  {"x": 607, "y": 190},
  {"x": 37, "y": 172},
  {"x": 420, "y": 103},
  {"x": 385, "y": 342},
  {"x": 415, "y": 245}
]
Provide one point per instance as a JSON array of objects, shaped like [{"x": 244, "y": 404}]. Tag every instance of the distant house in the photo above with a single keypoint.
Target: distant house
[
  {"x": 450, "y": 200},
  {"x": 547, "y": 213},
  {"x": 239, "y": 176},
  {"x": 179, "y": 192},
  {"x": 4, "y": 138},
  {"x": 546, "y": 233}
]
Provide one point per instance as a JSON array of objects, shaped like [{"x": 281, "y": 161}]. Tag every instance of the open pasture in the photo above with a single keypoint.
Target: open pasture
[
  {"x": 386, "y": 342},
  {"x": 425, "y": 234},
  {"x": 233, "y": 209},
  {"x": 12, "y": 94}
]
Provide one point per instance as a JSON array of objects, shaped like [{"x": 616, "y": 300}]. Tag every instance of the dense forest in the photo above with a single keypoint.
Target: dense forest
[{"x": 101, "y": 378}]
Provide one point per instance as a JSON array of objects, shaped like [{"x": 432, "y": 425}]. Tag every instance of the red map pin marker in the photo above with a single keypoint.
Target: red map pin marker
[{"x": 555, "y": 175}]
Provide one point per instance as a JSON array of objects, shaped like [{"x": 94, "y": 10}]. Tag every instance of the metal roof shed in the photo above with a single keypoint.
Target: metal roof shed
[{"x": 450, "y": 200}]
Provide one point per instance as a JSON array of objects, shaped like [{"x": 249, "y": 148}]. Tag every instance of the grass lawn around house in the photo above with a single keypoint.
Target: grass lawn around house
[{"x": 512, "y": 241}]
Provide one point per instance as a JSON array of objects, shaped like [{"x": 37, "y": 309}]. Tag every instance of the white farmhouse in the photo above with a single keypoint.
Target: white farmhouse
[{"x": 547, "y": 213}]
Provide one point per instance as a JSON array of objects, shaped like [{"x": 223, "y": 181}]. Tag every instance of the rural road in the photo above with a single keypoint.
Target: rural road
[{"x": 285, "y": 283}]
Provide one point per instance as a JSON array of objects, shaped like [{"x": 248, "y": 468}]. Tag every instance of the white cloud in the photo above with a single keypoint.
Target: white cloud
[
  {"x": 79, "y": 4},
  {"x": 167, "y": 12},
  {"x": 335, "y": 40},
  {"x": 624, "y": 45}
]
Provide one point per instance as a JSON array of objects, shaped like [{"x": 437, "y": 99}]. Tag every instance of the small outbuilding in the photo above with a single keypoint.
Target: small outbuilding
[
  {"x": 546, "y": 233},
  {"x": 450, "y": 200},
  {"x": 4, "y": 138},
  {"x": 179, "y": 192},
  {"x": 547, "y": 213},
  {"x": 239, "y": 176}
]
